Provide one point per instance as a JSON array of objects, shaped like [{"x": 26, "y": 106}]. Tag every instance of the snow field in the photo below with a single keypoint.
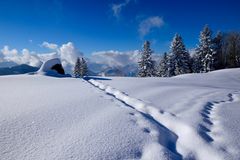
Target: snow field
[
  {"x": 193, "y": 116},
  {"x": 64, "y": 118},
  {"x": 207, "y": 105},
  {"x": 185, "y": 133}
]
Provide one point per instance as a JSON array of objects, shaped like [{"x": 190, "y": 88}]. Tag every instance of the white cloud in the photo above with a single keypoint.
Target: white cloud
[
  {"x": 148, "y": 24},
  {"x": 49, "y": 45},
  {"x": 24, "y": 58},
  {"x": 68, "y": 54},
  {"x": 7, "y": 52},
  {"x": 117, "y": 8}
]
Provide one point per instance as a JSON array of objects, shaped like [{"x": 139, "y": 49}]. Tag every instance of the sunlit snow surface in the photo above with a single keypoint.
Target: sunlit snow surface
[{"x": 193, "y": 116}]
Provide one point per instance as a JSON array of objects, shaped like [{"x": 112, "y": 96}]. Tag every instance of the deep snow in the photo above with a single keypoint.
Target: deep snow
[
  {"x": 51, "y": 118},
  {"x": 201, "y": 109},
  {"x": 47, "y": 65},
  {"x": 193, "y": 116}
]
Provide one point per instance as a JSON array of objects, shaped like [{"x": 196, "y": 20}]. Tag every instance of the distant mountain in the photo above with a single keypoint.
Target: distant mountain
[
  {"x": 7, "y": 64},
  {"x": 19, "y": 69},
  {"x": 94, "y": 70}
]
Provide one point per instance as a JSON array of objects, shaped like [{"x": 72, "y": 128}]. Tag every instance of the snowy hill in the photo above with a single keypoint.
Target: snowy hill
[{"x": 194, "y": 116}]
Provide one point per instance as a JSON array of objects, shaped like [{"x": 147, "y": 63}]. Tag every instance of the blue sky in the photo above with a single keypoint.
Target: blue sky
[{"x": 99, "y": 25}]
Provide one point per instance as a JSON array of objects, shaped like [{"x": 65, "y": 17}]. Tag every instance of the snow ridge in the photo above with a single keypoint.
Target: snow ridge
[{"x": 188, "y": 141}]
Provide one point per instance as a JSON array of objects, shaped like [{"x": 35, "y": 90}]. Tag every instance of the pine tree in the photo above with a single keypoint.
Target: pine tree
[
  {"x": 146, "y": 64},
  {"x": 204, "y": 51},
  {"x": 163, "y": 66},
  {"x": 83, "y": 68},
  {"x": 196, "y": 63},
  {"x": 171, "y": 65},
  {"x": 232, "y": 49},
  {"x": 180, "y": 57},
  {"x": 208, "y": 62},
  {"x": 218, "y": 48},
  {"x": 77, "y": 68}
]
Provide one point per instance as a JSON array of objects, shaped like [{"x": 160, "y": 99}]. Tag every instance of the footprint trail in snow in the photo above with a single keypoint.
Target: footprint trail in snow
[
  {"x": 211, "y": 129},
  {"x": 172, "y": 136}
]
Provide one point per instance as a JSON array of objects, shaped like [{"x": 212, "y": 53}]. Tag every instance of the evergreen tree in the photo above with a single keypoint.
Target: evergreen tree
[
  {"x": 180, "y": 57},
  {"x": 77, "y": 68},
  {"x": 196, "y": 63},
  {"x": 171, "y": 65},
  {"x": 208, "y": 62},
  {"x": 146, "y": 64},
  {"x": 83, "y": 68},
  {"x": 218, "y": 48},
  {"x": 163, "y": 66},
  {"x": 204, "y": 51},
  {"x": 232, "y": 50}
]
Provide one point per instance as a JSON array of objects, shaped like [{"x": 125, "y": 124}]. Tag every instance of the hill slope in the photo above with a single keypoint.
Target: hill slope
[
  {"x": 204, "y": 109},
  {"x": 191, "y": 116}
]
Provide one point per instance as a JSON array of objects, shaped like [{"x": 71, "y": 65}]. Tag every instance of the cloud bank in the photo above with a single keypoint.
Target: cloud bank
[{"x": 66, "y": 52}]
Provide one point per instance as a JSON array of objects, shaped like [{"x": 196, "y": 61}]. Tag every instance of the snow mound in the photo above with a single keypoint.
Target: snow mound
[{"x": 52, "y": 67}]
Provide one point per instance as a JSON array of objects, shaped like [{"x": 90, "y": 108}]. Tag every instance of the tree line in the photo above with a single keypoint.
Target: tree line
[{"x": 212, "y": 53}]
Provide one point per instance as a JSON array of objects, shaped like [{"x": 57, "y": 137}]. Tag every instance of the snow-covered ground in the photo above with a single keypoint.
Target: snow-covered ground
[{"x": 193, "y": 116}]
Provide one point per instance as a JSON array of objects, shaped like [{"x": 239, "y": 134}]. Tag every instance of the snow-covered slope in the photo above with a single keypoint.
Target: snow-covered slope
[
  {"x": 185, "y": 117},
  {"x": 51, "y": 118},
  {"x": 202, "y": 110}
]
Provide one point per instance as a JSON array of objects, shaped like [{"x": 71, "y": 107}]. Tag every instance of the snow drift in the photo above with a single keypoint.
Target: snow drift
[{"x": 52, "y": 67}]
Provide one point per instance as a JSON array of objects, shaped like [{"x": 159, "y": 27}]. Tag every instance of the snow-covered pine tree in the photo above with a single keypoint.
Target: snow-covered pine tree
[
  {"x": 208, "y": 62},
  {"x": 205, "y": 51},
  {"x": 196, "y": 63},
  {"x": 83, "y": 68},
  {"x": 179, "y": 56},
  {"x": 163, "y": 66},
  {"x": 170, "y": 65},
  {"x": 77, "y": 68},
  {"x": 146, "y": 64}
]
